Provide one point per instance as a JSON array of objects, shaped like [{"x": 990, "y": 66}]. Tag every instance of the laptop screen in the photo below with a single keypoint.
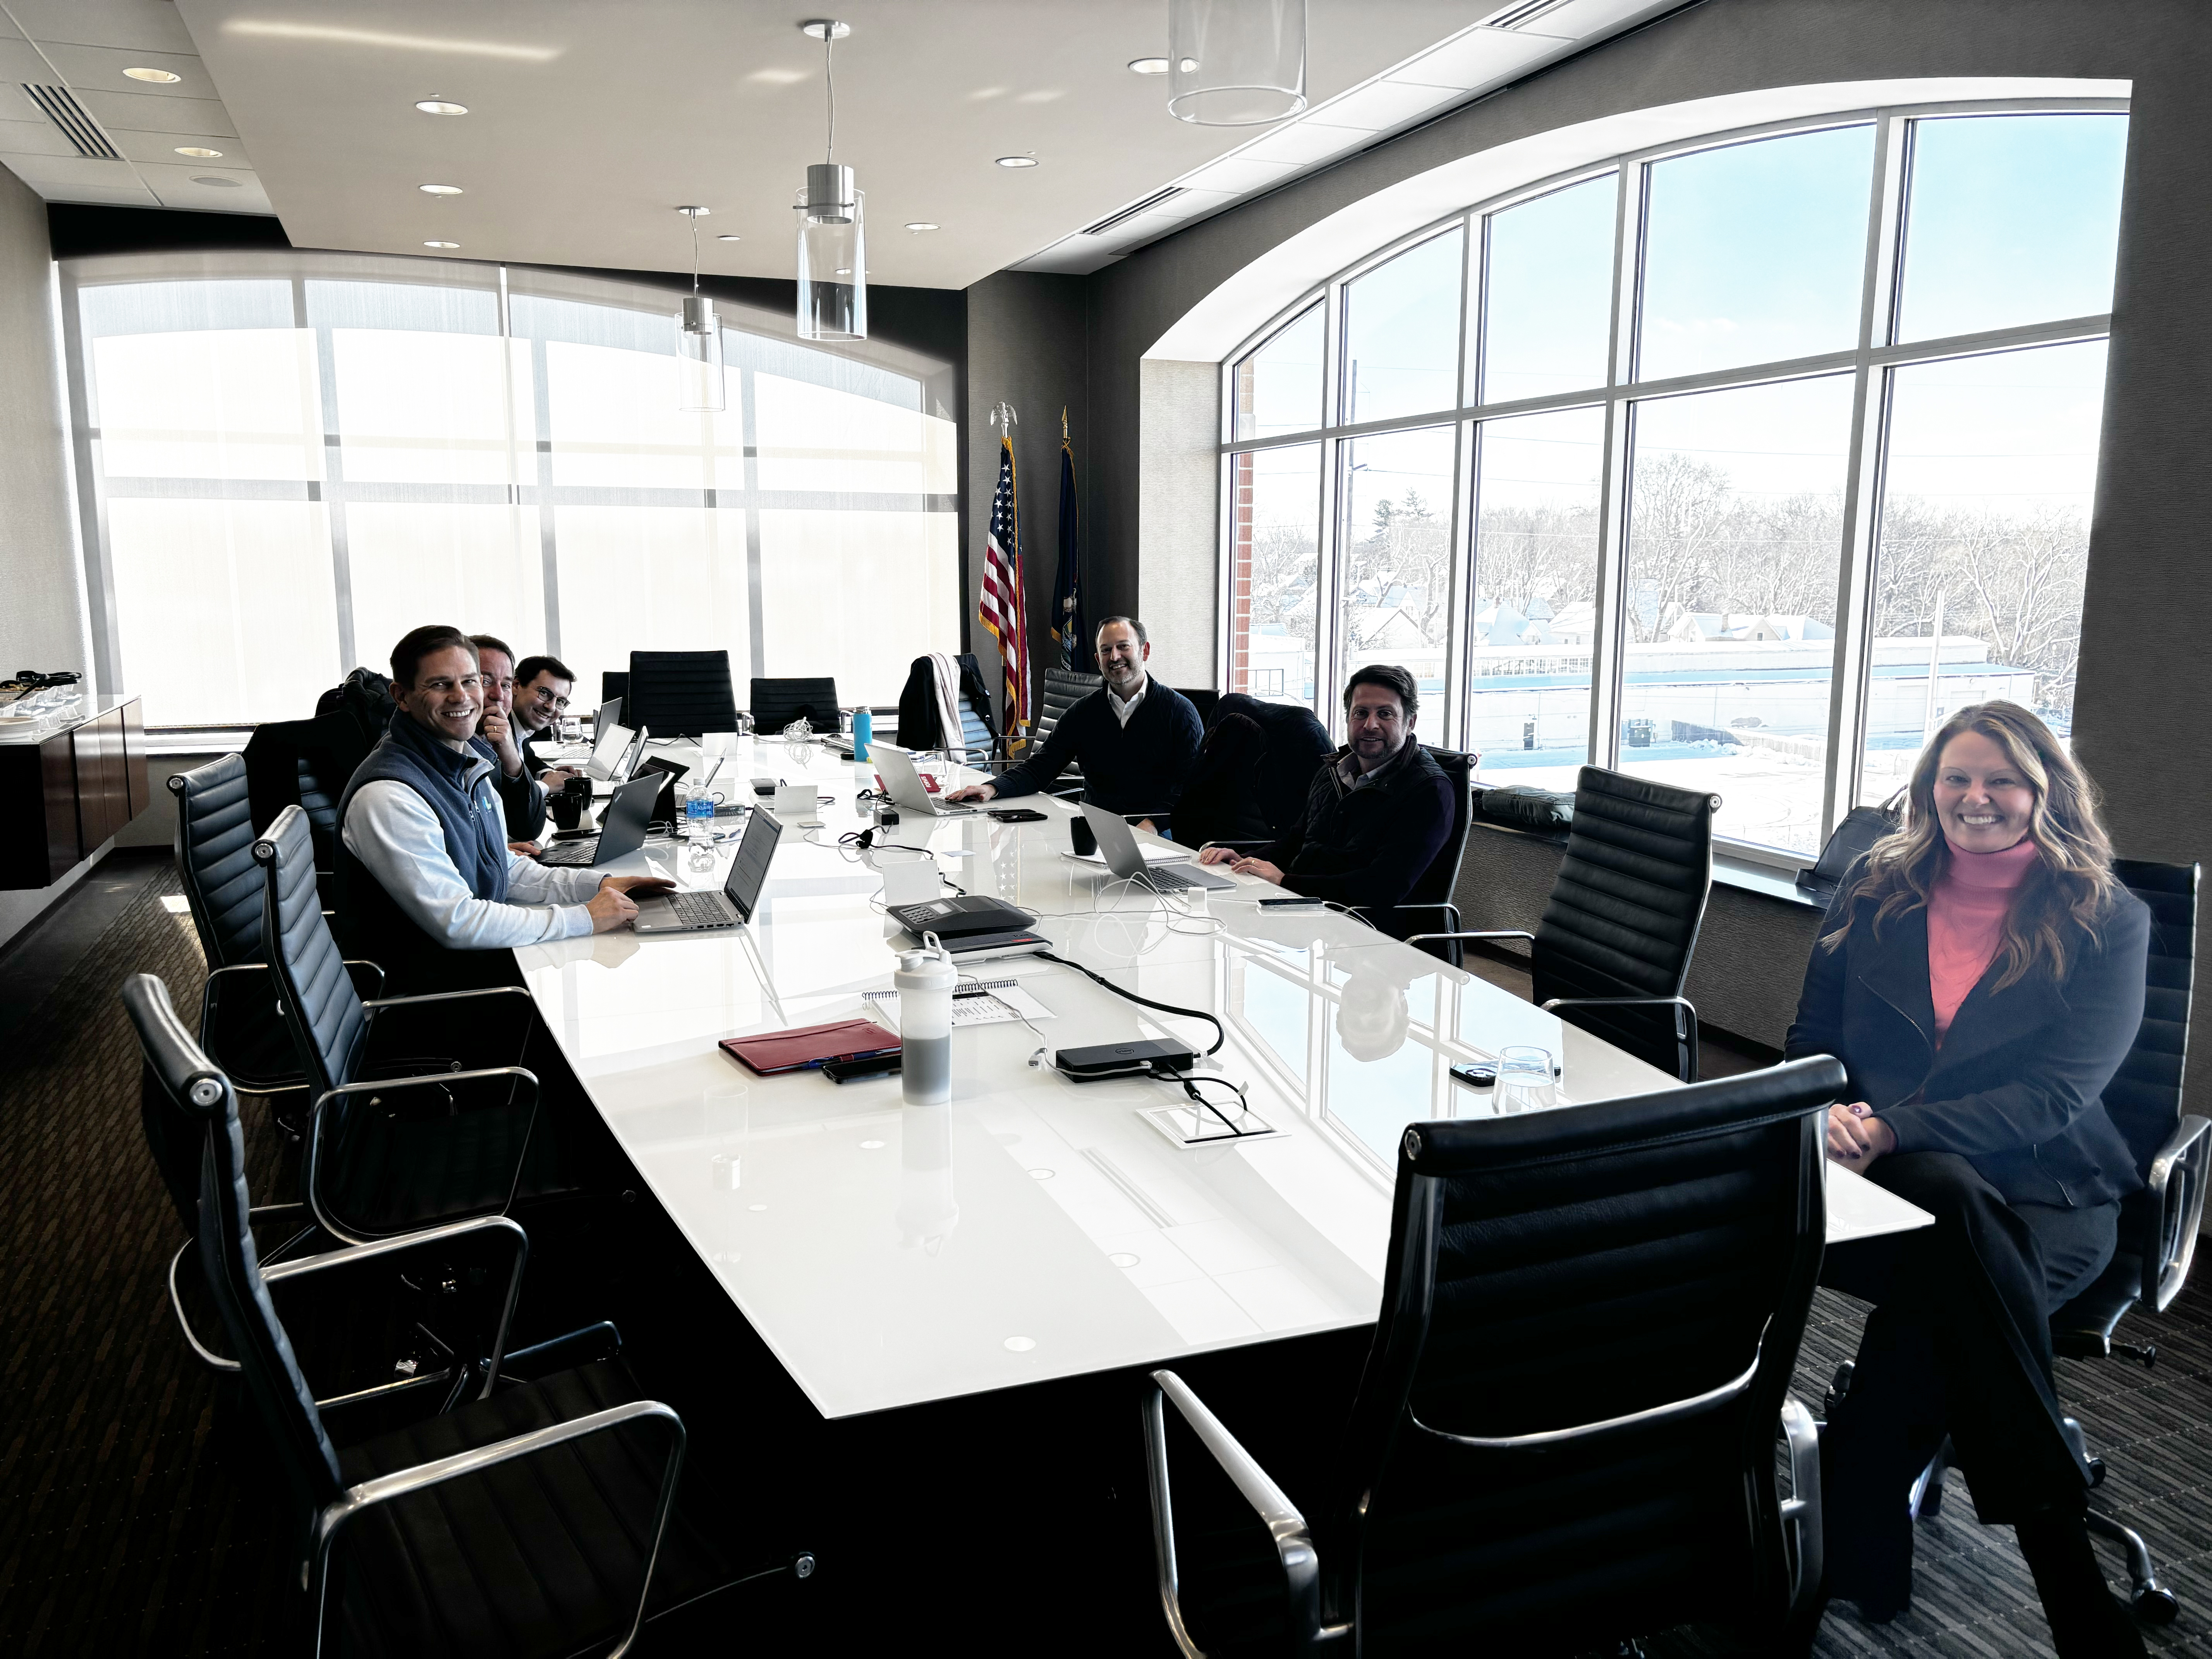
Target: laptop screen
[
  {"x": 609, "y": 749},
  {"x": 749, "y": 869}
]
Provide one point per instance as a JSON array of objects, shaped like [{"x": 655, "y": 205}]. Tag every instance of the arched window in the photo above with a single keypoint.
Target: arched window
[
  {"x": 288, "y": 460},
  {"x": 1640, "y": 465}
]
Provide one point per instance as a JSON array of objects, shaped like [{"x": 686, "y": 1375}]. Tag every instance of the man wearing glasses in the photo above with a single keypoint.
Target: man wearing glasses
[
  {"x": 520, "y": 700},
  {"x": 425, "y": 875}
]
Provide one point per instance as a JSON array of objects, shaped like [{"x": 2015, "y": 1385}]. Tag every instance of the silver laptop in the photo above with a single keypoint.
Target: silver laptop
[
  {"x": 698, "y": 912},
  {"x": 614, "y": 754},
  {"x": 622, "y": 832},
  {"x": 908, "y": 792},
  {"x": 1117, "y": 845}
]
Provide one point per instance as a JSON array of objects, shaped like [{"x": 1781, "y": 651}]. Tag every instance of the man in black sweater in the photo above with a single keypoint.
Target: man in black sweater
[
  {"x": 1133, "y": 738},
  {"x": 1376, "y": 814}
]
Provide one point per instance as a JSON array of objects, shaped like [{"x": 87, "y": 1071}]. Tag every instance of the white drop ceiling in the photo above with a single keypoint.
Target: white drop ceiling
[{"x": 589, "y": 123}]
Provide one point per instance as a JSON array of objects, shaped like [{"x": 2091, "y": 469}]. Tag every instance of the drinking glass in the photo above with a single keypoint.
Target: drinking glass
[{"x": 1525, "y": 1078}]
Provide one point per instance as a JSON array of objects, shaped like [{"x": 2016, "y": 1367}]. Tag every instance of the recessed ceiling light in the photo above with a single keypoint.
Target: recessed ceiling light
[
  {"x": 198, "y": 153},
  {"x": 158, "y": 77},
  {"x": 920, "y": 224},
  {"x": 440, "y": 189},
  {"x": 1018, "y": 160},
  {"x": 442, "y": 245},
  {"x": 729, "y": 238},
  {"x": 439, "y": 107},
  {"x": 218, "y": 182},
  {"x": 1148, "y": 66}
]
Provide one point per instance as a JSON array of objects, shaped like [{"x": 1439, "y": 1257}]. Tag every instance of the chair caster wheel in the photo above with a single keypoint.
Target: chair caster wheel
[
  {"x": 2096, "y": 1471},
  {"x": 2154, "y": 1605}
]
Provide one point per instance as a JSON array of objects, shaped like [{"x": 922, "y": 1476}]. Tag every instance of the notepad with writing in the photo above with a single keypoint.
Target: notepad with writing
[{"x": 768, "y": 1053}]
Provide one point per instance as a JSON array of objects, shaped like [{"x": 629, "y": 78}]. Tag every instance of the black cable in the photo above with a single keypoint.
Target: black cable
[{"x": 1220, "y": 1035}]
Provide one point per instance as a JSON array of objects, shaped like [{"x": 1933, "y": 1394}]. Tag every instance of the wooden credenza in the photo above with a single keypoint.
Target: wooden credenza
[{"x": 61, "y": 797}]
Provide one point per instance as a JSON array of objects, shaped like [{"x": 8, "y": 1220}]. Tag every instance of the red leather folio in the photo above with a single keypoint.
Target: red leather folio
[{"x": 803, "y": 1046}]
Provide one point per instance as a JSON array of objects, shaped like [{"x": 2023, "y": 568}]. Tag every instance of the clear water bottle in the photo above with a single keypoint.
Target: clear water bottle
[{"x": 698, "y": 812}]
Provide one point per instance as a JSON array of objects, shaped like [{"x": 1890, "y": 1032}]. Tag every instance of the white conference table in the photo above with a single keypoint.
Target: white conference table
[{"x": 1035, "y": 1228}]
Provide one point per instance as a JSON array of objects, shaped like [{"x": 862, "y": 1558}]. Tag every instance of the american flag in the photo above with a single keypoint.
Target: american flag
[{"x": 1002, "y": 609}]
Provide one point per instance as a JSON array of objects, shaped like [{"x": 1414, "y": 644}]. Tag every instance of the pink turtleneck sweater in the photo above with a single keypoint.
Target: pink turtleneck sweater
[{"x": 1965, "y": 922}]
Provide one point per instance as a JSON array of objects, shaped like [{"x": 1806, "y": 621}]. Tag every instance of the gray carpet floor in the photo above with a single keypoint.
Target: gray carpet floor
[{"x": 126, "y": 1526}]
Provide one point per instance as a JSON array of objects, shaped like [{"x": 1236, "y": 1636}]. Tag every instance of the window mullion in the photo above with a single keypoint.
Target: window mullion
[
  {"x": 1848, "y": 675},
  {"x": 1608, "y": 655},
  {"x": 333, "y": 488},
  {"x": 1329, "y": 565}
]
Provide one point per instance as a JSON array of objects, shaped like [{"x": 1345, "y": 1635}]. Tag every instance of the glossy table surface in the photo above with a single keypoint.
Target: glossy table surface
[{"x": 1035, "y": 1228}]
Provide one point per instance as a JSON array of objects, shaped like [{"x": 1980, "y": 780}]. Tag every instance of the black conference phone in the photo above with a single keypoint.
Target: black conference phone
[{"x": 957, "y": 918}]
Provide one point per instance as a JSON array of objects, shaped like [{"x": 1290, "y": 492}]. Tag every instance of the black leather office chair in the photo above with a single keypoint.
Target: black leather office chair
[
  {"x": 1297, "y": 745},
  {"x": 543, "y": 1510},
  {"x": 1565, "y": 1435},
  {"x": 2158, "y": 1224},
  {"x": 293, "y": 763},
  {"x": 1613, "y": 949},
  {"x": 1440, "y": 881},
  {"x": 681, "y": 693},
  {"x": 614, "y": 689},
  {"x": 777, "y": 702},
  {"x": 1203, "y": 698},
  {"x": 385, "y": 1154},
  {"x": 411, "y": 1355},
  {"x": 1063, "y": 688}
]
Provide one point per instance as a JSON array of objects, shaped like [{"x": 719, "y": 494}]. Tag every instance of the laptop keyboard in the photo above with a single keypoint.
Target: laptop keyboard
[
  {"x": 695, "y": 909},
  {"x": 571, "y": 853},
  {"x": 1174, "y": 881}
]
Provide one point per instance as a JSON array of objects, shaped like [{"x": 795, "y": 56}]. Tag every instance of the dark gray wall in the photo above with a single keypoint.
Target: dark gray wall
[
  {"x": 42, "y": 616},
  {"x": 1026, "y": 346}
]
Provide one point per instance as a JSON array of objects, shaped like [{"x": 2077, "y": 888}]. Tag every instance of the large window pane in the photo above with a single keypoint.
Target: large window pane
[
  {"x": 1985, "y": 545},
  {"x": 1278, "y": 386},
  {"x": 1754, "y": 253},
  {"x": 1395, "y": 582},
  {"x": 225, "y": 610},
  {"x": 901, "y": 574},
  {"x": 477, "y": 565},
  {"x": 1276, "y": 559},
  {"x": 817, "y": 438},
  {"x": 1734, "y": 535},
  {"x": 423, "y": 407},
  {"x": 651, "y": 579},
  {"x": 1547, "y": 303},
  {"x": 1535, "y": 596},
  {"x": 209, "y": 404},
  {"x": 1402, "y": 333},
  {"x": 2012, "y": 219}
]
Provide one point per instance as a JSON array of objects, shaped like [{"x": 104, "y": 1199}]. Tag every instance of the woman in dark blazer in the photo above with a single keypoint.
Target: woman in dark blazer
[{"x": 1980, "y": 975}]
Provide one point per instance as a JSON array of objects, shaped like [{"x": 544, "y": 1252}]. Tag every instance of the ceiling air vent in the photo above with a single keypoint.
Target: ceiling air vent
[
  {"x": 60, "y": 106},
  {"x": 1521, "y": 12},
  {"x": 1131, "y": 211}
]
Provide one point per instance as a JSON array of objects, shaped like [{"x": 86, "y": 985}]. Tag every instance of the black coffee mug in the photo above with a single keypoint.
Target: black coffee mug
[
  {"x": 567, "y": 806},
  {"x": 1082, "y": 836}
]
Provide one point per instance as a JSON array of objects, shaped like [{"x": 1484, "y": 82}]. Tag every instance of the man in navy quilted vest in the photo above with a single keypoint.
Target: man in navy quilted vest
[{"x": 427, "y": 883}]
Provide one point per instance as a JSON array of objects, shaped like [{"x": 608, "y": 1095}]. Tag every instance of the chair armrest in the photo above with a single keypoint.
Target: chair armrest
[
  {"x": 1285, "y": 1526},
  {"x": 448, "y": 996},
  {"x": 402, "y": 1482},
  {"x": 311, "y": 1174},
  {"x": 1690, "y": 1035},
  {"x": 424, "y": 1238},
  {"x": 1801, "y": 1510},
  {"x": 2180, "y": 1209},
  {"x": 212, "y": 1360},
  {"x": 1480, "y": 933}
]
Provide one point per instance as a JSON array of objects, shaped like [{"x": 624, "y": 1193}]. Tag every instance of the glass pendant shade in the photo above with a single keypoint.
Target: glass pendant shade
[
  {"x": 833, "y": 257},
  {"x": 700, "y": 387},
  {"x": 1236, "y": 63}
]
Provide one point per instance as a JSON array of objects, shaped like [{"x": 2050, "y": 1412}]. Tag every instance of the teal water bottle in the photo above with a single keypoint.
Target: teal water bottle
[{"x": 863, "y": 725}]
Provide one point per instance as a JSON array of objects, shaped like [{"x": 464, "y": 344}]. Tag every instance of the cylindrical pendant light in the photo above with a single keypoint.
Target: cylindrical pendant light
[
  {"x": 1236, "y": 63},
  {"x": 832, "y": 254},
  {"x": 700, "y": 388},
  {"x": 833, "y": 257}
]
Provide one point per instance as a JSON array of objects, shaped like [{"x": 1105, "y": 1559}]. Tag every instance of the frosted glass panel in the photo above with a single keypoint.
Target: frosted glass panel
[
  {"x": 815, "y": 437},
  {"x": 615, "y": 423},
  {"x": 857, "y": 595},
  {"x": 223, "y": 606}
]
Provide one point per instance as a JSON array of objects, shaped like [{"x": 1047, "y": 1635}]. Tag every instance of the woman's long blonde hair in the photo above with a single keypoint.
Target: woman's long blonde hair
[{"x": 2066, "y": 897}]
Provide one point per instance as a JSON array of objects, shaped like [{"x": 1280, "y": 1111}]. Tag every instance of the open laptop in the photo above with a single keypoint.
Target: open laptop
[
  {"x": 698, "y": 912},
  {"x": 908, "y": 792},
  {"x": 1117, "y": 845},
  {"x": 615, "y": 755},
  {"x": 621, "y": 831}
]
